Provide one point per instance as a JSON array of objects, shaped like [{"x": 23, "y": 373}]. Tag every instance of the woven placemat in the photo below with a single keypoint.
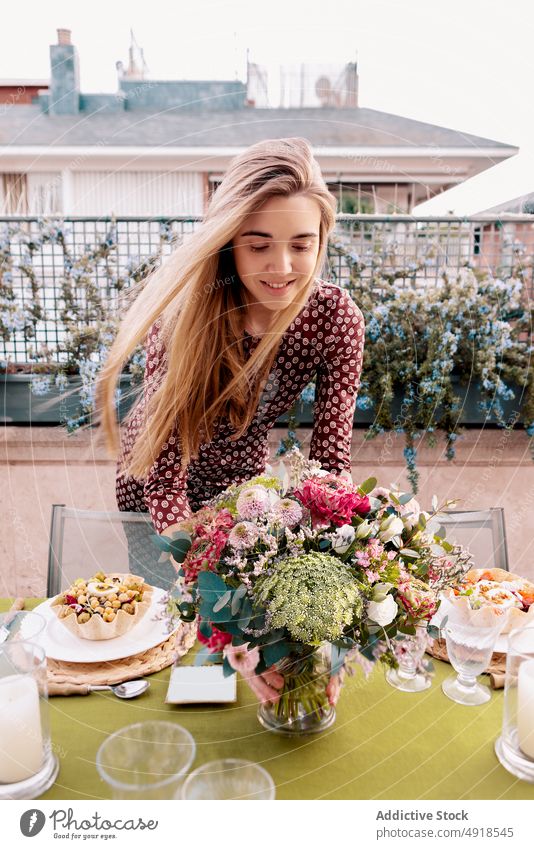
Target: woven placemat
[
  {"x": 66, "y": 678},
  {"x": 496, "y": 668}
]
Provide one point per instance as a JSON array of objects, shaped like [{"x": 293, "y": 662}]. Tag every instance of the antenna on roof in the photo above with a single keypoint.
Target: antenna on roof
[{"x": 137, "y": 66}]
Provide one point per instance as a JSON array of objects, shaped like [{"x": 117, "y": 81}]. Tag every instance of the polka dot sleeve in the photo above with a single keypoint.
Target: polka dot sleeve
[
  {"x": 337, "y": 384},
  {"x": 165, "y": 488}
]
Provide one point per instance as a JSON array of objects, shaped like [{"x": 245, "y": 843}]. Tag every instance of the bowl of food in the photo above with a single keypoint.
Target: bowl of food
[
  {"x": 104, "y": 606},
  {"x": 483, "y": 593}
]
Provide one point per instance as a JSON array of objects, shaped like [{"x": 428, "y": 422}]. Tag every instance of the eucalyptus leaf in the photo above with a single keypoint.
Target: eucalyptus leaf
[
  {"x": 237, "y": 596},
  {"x": 337, "y": 658},
  {"x": 227, "y": 669},
  {"x": 161, "y": 541},
  {"x": 275, "y": 651},
  {"x": 405, "y": 497},
  {"x": 208, "y": 582},
  {"x": 222, "y": 601},
  {"x": 409, "y": 552},
  {"x": 179, "y": 549},
  {"x": 367, "y": 486},
  {"x": 205, "y": 628}
]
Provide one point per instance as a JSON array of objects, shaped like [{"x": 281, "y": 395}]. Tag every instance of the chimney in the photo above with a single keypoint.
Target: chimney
[{"x": 64, "y": 96}]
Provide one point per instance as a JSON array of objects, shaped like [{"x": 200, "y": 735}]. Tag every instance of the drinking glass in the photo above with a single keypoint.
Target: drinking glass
[
  {"x": 470, "y": 648},
  {"x": 230, "y": 778},
  {"x": 22, "y": 625},
  {"x": 409, "y": 650},
  {"x": 147, "y": 760}
]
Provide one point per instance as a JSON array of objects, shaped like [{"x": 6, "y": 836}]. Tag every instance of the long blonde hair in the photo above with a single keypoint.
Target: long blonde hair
[{"x": 202, "y": 315}]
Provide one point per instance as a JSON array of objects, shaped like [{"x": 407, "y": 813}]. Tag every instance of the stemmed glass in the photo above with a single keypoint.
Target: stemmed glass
[
  {"x": 470, "y": 648},
  {"x": 409, "y": 650}
]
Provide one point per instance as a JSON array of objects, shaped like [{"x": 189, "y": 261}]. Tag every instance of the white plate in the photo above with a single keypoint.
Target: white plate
[
  {"x": 60, "y": 644},
  {"x": 500, "y": 646}
]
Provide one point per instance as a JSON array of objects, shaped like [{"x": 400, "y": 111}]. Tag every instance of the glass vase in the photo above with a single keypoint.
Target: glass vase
[
  {"x": 303, "y": 707},
  {"x": 28, "y": 765},
  {"x": 515, "y": 747}
]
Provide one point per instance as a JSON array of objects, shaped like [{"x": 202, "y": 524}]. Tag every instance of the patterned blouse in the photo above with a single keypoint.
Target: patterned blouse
[{"x": 324, "y": 341}]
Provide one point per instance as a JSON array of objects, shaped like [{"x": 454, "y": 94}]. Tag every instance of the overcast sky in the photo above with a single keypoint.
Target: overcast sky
[{"x": 464, "y": 64}]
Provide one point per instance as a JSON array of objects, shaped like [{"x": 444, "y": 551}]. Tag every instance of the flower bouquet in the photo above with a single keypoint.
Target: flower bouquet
[{"x": 298, "y": 576}]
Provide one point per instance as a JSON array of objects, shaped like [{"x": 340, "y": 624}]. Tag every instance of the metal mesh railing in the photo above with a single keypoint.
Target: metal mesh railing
[{"x": 48, "y": 268}]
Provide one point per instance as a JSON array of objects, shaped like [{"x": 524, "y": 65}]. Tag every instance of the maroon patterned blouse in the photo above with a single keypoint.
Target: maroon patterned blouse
[{"x": 324, "y": 341}]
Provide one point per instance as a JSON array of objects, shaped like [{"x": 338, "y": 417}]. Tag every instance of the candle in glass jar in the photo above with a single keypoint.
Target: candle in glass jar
[
  {"x": 21, "y": 739},
  {"x": 525, "y": 708}
]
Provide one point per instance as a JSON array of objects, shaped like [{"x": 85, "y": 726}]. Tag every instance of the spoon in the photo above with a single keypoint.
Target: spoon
[{"x": 126, "y": 690}]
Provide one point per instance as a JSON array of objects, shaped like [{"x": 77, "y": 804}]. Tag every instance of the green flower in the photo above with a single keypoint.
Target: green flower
[{"x": 314, "y": 596}]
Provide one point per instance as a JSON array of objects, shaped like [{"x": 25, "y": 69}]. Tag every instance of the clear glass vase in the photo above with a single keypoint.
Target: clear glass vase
[{"x": 303, "y": 707}]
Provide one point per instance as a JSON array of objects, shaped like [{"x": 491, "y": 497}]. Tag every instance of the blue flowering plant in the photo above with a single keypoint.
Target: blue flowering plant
[
  {"x": 427, "y": 341},
  {"x": 88, "y": 296},
  {"x": 297, "y": 576}
]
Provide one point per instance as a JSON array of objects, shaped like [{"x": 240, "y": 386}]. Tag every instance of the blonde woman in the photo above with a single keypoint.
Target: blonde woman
[{"x": 236, "y": 322}]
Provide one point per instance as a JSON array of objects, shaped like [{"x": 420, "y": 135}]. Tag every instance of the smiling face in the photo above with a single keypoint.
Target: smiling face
[{"x": 275, "y": 252}]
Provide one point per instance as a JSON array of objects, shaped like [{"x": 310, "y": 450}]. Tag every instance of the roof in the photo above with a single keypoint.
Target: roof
[
  {"x": 25, "y": 125},
  {"x": 515, "y": 205}
]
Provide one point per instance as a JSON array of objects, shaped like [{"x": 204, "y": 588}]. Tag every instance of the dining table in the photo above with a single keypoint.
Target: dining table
[{"x": 384, "y": 744}]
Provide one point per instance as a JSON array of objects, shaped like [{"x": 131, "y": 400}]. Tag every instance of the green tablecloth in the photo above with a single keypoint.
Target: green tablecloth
[{"x": 383, "y": 745}]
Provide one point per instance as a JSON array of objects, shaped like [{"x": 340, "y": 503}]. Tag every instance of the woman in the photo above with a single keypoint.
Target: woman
[{"x": 236, "y": 324}]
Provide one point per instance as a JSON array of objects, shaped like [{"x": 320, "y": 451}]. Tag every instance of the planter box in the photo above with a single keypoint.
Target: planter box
[
  {"x": 468, "y": 411},
  {"x": 20, "y": 406}
]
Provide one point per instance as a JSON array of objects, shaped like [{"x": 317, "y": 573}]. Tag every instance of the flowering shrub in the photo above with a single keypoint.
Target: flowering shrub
[{"x": 423, "y": 341}]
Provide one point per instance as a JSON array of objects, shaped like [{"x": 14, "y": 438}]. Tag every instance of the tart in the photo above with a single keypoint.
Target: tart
[{"x": 104, "y": 606}]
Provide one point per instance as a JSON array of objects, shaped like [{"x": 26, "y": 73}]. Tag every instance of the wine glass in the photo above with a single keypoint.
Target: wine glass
[
  {"x": 470, "y": 648},
  {"x": 409, "y": 650}
]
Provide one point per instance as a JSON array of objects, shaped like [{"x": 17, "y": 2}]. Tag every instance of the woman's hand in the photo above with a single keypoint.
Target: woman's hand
[{"x": 265, "y": 686}]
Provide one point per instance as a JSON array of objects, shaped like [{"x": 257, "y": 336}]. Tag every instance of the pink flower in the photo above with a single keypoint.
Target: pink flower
[
  {"x": 288, "y": 512},
  {"x": 417, "y": 599},
  {"x": 331, "y": 500},
  {"x": 253, "y": 502},
  {"x": 210, "y": 531}
]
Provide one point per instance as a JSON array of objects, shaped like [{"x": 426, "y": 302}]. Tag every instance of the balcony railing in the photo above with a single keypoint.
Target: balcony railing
[{"x": 48, "y": 266}]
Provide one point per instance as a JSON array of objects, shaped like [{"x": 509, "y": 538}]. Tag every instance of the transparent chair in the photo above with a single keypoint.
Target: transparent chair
[
  {"x": 83, "y": 542},
  {"x": 482, "y": 532}
]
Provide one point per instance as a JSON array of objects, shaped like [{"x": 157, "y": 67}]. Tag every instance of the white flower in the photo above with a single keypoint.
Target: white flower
[
  {"x": 410, "y": 513},
  {"x": 382, "y": 612},
  {"x": 391, "y": 527},
  {"x": 365, "y": 529},
  {"x": 343, "y": 538}
]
